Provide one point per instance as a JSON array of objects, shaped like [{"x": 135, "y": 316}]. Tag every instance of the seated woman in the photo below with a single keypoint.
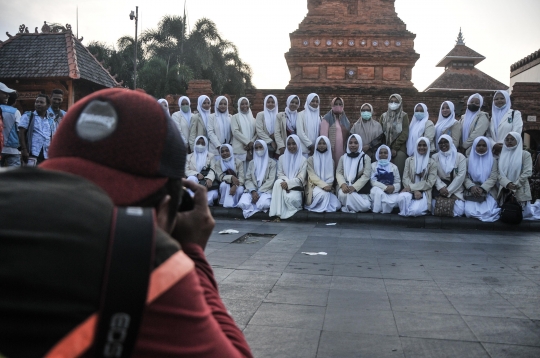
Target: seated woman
[
  {"x": 260, "y": 178},
  {"x": 230, "y": 172},
  {"x": 320, "y": 168},
  {"x": 199, "y": 167},
  {"x": 369, "y": 130},
  {"x": 419, "y": 176},
  {"x": 385, "y": 182},
  {"x": 421, "y": 126},
  {"x": 287, "y": 194},
  {"x": 353, "y": 174},
  {"x": 451, "y": 173},
  {"x": 480, "y": 183}
]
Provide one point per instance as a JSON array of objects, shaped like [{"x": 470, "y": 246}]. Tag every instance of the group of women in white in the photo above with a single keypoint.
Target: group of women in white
[{"x": 282, "y": 162}]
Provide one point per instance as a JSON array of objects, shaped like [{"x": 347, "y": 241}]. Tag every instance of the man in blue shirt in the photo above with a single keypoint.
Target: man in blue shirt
[
  {"x": 57, "y": 98},
  {"x": 11, "y": 157}
]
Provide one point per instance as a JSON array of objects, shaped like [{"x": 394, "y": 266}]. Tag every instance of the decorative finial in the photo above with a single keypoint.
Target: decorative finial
[
  {"x": 68, "y": 27},
  {"x": 45, "y": 28},
  {"x": 460, "y": 38},
  {"x": 21, "y": 28},
  {"x": 36, "y": 31},
  {"x": 8, "y": 34}
]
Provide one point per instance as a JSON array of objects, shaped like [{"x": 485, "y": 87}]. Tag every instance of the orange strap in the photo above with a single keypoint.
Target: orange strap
[{"x": 163, "y": 278}]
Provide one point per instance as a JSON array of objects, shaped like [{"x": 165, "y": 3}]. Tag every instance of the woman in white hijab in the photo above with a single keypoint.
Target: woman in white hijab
[
  {"x": 385, "y": 182},
  {"x": 199, "y": 121},
  {"x": 353, "y": 173},
  {"x": 421, "y": 126},
  {"x": 451, "y": 174},
  {"x": 503, "y": 121},
  {"x": 308, "y": 124},
  {"x": 419, "y": 176},
  {"x": 219, "y": 126},
  {"x": 286, "y": 122},
  {"x": 265, "y": 123},
  {"x": 182, "y": 119},
  {"x": 260, "y": 178},
  {"x": 474, "y": 123},
  {"x": 163, "y": 103},
  {"x": 320, "y": 169},
  {"x": 243, "y": 131},
  {"x": 288, "y": 189},
  {"x": 480, "y": 184},
  {"x": 199, "y": 167},
  {"x": 447, "y": 124},
  {"x": 230, "y": 172}
]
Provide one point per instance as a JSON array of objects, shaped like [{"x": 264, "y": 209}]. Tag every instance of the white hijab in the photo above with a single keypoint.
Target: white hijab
[
  {"x": 511, "y": 159},
  {"x": 480, "y": 164},
  {"x": 163, "y": 100},
  {"x": 246, "y": 120},
  {"x": 444, "y": 123},
  {"x": 203, "y": 112},
  {"x": 223, "y": 120},
  {"x": 421, "y": 161},
  {"x": 292, "y": 162},
  {"x": 270, "y": 115},
  {"x": 497, "y": 113},
  {"x": 200, "y": 158},
  {"x": 323, "y": 163},
  {"x": 447, "y": 160},
  {"x": 312, "y": 117},
  {"x": 260, "y": 164},
  {"x": 227, "y": 164},
  {"x": 291, "y": 115},
  {"x": 187, "y": 116},
  {"x": 387, "y": 167},
  {"x": 416, "y": 129},
  {"x": 469, "y": 116},
  {"x": 351, "y": 166}
]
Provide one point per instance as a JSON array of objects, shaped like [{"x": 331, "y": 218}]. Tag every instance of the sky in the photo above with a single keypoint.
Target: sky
[{"x": 501, "y": 30}]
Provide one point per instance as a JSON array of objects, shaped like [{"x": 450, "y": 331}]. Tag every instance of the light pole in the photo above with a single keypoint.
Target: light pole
[{"x": 135, "y": 16}]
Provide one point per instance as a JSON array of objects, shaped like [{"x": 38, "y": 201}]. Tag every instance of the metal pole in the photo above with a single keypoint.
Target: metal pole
[{"x": 135, "y": 60}]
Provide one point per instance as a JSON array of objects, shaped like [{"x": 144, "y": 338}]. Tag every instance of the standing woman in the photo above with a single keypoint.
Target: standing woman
[
  {"x": 395, "y": 125},
  {"x": 265, "y": 123},
  {"x": 163, "y": 102},
  {"x": 336, "y": 127},
  {"x": 483, "y": 173},
  {"x": 287, "y": 195},
  {"x": 420, "y": 175},
  {"x": 219, "y": 126},
  {"x": 320, "y": 169},
  {"x": 243, "y": 131},
  {"x": 260, "y": 178},
  {"x": 199, "y": 121},
  {"x": 420, "y": 126},
  {"x": 385, "y": 182},
  {"x": 369, "y": 130},
  {"x": 447, "y": 124},
  {"x": 230, "y": 172},
  {"x": 451, "y": 173},
  {"x": 308, "y": 124},
  {"x": 199, "y": 166},
  {"x": 503, "y": 121},
  {"x": 286, "y": 122},
  {"x": 354, "y": 173},
  {"x": 182, "y": 118},
  {"x": 474, "y": 123}
]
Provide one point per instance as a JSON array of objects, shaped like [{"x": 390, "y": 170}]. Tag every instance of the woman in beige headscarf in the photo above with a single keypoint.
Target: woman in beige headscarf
[
  {"x": 395, "y": 126},
  {"x": 369, "y": 130}
]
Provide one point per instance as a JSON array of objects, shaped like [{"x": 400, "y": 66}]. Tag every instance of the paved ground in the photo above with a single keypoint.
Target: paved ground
[{"x": 380, "y": 292}]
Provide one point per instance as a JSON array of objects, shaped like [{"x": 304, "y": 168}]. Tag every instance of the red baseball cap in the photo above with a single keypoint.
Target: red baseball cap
[{"x": 123, "y": 141}]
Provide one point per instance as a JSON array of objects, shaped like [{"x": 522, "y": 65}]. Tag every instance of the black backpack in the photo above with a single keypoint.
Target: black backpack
[{"x": 511, "y": 211}]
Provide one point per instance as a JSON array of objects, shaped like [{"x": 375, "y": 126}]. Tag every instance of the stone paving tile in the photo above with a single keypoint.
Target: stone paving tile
[
  {"x": 271, "y": 342},
  {"x": 253, "y": 278},
  {"x": 298, "y": 296},
  {"x": 358, "y": 300},
  {"x": 338, "y": 319},
  {"x": 504, "y": 330},
  {"x": 242, "y": 292},
  {"x": 220, "y": 273},
  {"x": 358, "y": 284},
  {"x": 242, "y": 310},
  {"x": 432, "y": 302},
  {"x": 437, "y": 348},
  {"x": 358, "y": 270},
  {"x": 490, "y": 304},
  {"x": 339, "y": 344},
  {"x": 263, "y": 265},
  {"x": 300, "y": 280},
  {"x": 291, "y": 316},
  {"x": 310, "y": 268},
  {"x": 433, "y": 325},
  {"x": 511, "y": 351}
]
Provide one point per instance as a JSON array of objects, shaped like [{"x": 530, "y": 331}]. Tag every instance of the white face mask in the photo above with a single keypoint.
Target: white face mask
[
  {"x": 199, "y": 148},
  {"x": 260, "y": 152},
  {"x": 393, "y": 106}
]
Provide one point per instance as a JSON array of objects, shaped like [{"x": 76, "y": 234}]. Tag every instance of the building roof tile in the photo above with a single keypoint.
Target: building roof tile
[{"x": 465, "y": 79}]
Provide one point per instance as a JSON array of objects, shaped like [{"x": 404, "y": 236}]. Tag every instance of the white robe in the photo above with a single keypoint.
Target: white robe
[
  {"x": 410, "y": 207},
  {"x": 286, "y": 204},
  {"x": 382, "y": 202},
  {"x": 486, "y": 211},
  {"x": 323, "y": 201},
  {"x": 248, "y": 208}
]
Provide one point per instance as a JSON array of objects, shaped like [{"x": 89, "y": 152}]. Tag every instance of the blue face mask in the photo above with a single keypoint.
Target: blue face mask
[
  {"x": 384, "y": 162},
  {"x": 419, "y": 115},
  {"x": 366, "y": 116}
]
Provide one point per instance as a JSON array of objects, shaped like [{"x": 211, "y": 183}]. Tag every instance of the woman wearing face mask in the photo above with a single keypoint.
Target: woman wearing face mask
[
  {"x": 182, "y": 118},
  {"x": 260, "y": 178},
  {"x": 354, "y": 173},
  {"x": 447, "y": 124},
  {"x": 420, "y": 126},
  {"x": 308, "y": 124},
  {"x": 219, "y": 126},
  {"x": 199, "y": 121},
  {"x": 336, "y": 127},
  {"x": 395, "y": 125},
  {"x": 230, "y": 172},
  {"x": 451, "y": 173},
  {"x": 265, "y": 123},
  {"x": 419, "y": 176},
  {"x": 474, "y": 123},
  {"x": 291, "y": 177},
  {"x": 385, "y": 182},
  {"x": 286, "y": 122},
  {"x": 503, "y": 121},
  {"x": 320, "y": 169},
  {"x": 199, "y": 166},
  {"x": 369, "y": 130},
  {"x": 243, "y": 131},
  {"x": 481, "y": 180}
]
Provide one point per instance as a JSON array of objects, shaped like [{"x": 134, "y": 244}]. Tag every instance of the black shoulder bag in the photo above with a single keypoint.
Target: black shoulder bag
[
  {"x": 366, "y": 189},
  {"x": 511, "y": 211}
]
